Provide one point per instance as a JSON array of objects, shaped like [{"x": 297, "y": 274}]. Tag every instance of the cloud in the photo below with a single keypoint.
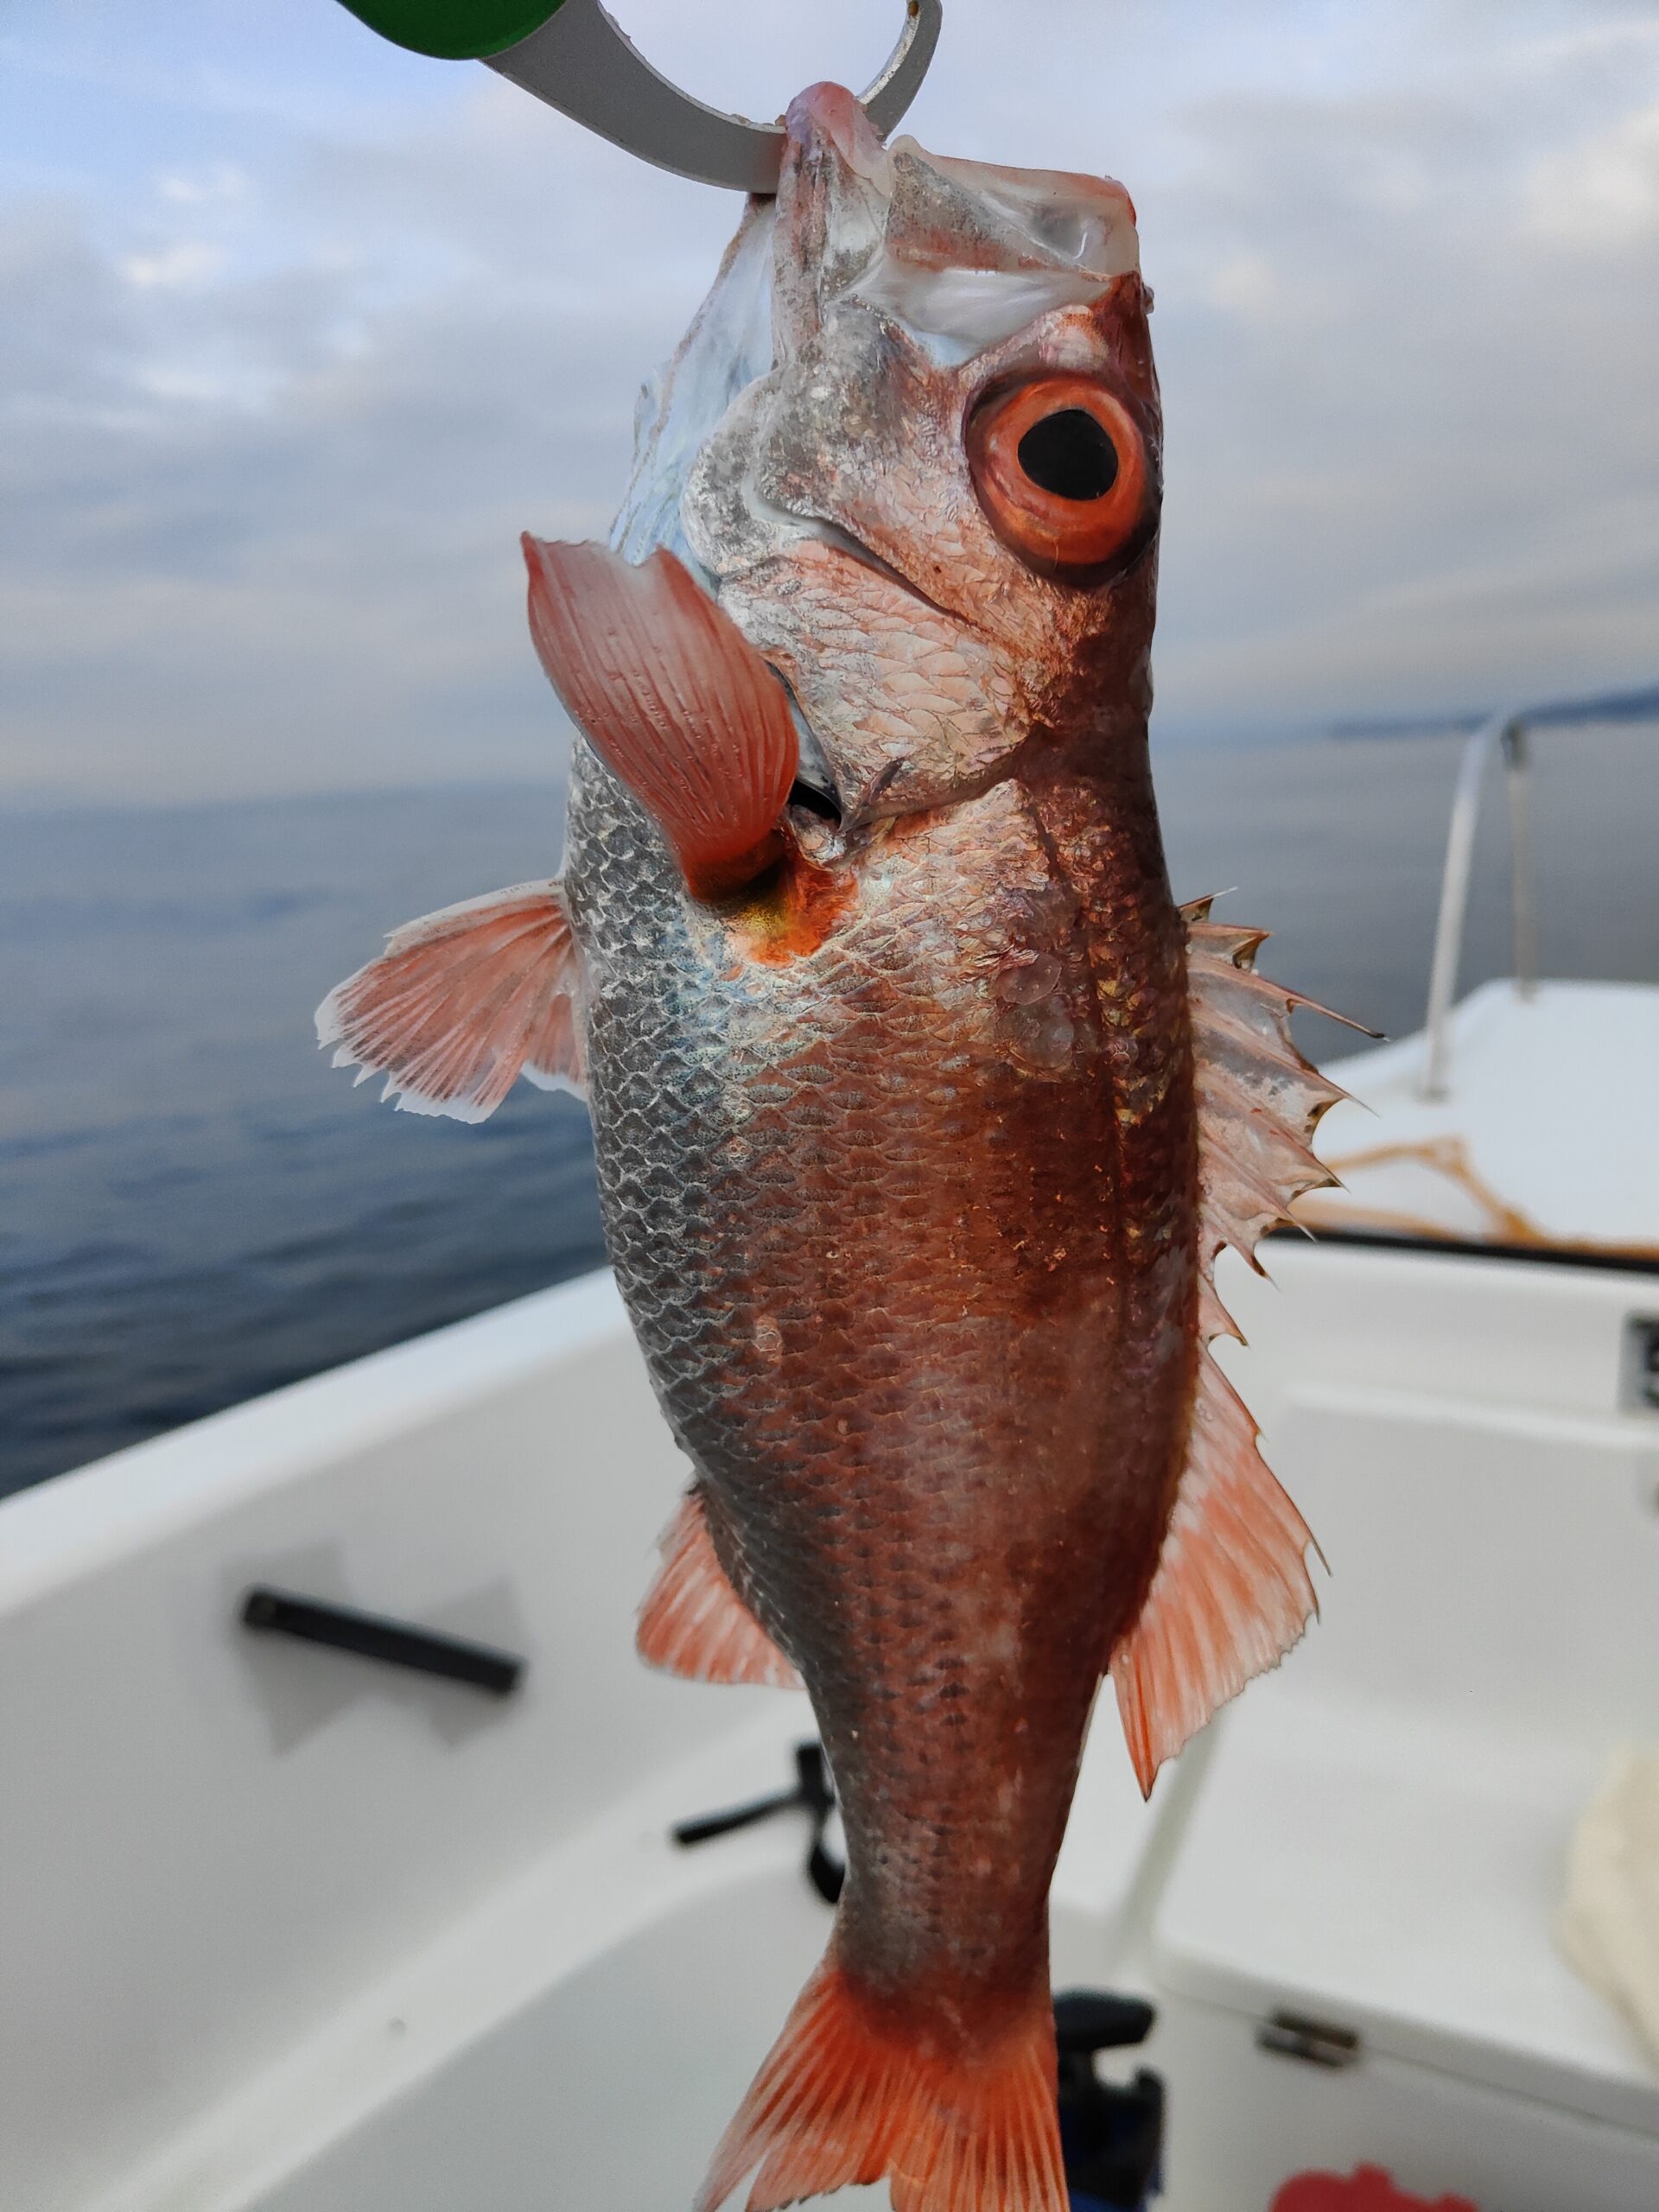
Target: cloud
[
  {"x": 1411, "y": 459},
  {"x": 1602, "y": 193},
  {"x": 187, "y": 262},
  {"x": 260, "y": 502},
  {"x": 218, "y": 182},
  {"x": 298, "y": 336}
]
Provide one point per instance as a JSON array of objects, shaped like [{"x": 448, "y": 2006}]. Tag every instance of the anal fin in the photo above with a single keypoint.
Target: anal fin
[{"x": 694, "y": 1623}]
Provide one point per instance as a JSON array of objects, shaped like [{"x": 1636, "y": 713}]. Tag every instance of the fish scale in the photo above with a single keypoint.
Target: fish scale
[{"x": 956, "y": 1442}]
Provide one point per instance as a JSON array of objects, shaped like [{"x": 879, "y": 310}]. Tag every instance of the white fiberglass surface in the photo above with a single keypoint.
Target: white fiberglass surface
[
  {"x": 1240, "y": 2121},
  {"x": 609, "y": 2084},
  {"x": 605, "y": 2074},
  {"x": 377, "y": 1976},
  {"x": 1381, "y": 1836},
  {"x": 223, "y": 1839},
  {"x": 1548, "y": 1118},
  {"x": 610, "y": 2091}
]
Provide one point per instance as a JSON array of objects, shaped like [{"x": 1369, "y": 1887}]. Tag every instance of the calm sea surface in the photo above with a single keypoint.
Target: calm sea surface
[{"x": 194, "y": 1207}]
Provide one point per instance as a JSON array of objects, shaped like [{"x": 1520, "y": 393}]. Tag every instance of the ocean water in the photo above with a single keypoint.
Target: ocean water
[{"x": 195, "y": 1207}]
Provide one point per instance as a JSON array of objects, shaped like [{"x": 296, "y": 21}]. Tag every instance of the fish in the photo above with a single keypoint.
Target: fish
[{"x": 921, "y": 1110}]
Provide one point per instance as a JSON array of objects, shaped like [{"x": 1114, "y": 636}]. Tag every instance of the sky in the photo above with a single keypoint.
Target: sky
[{"x": 297, "y": 332}]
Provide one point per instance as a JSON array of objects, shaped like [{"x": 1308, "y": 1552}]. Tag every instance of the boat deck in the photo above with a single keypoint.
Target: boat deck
[{"x": 291, "y": 1932}]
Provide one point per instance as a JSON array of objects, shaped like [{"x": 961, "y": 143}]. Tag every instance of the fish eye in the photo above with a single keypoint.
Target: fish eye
[
  {"x": 1070, "y": 453},
  {"x": 1061, "y": 471}
]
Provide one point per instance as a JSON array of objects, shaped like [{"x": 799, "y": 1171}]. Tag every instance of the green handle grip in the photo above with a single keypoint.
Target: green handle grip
[{"x": 454, "y": 31}]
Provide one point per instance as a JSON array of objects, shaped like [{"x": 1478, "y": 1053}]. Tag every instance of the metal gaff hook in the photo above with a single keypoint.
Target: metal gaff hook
[{"x": 574, "y": 56}]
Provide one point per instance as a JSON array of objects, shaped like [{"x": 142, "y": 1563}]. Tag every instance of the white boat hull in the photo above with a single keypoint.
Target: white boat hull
[{"x": 287, "y": 1932}]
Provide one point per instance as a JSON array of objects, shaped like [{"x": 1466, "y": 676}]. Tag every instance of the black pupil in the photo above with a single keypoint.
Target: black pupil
[{"x": 1069, "y": 454}]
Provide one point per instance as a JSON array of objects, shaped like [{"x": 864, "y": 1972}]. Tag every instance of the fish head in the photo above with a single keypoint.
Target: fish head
[{"x": 936, "y": 512}]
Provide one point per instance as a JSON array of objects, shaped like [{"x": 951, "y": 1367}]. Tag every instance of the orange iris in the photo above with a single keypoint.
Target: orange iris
[{"x": 1061, "y": 470}]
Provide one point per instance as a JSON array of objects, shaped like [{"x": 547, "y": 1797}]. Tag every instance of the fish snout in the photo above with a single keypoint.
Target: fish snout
[{"x": 826, "y": 124}]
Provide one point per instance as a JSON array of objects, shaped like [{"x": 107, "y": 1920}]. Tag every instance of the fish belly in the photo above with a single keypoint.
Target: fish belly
[{"x": 894, "y": 1222}]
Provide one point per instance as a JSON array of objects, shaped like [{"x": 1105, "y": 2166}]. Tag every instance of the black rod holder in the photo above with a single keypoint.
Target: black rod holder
[
  {"x": 369, "y": 1636},
  {"x": 814, "y": 1794},
  {"x": 1111, "y": 2136}
]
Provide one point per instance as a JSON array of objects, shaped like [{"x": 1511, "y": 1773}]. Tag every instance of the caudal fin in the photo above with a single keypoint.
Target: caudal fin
[{"x": 847, "y": 2097}]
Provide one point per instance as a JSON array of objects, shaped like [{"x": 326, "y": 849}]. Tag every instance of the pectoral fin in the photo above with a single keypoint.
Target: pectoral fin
[
  {"x": 675, "y": 701},
  {"x": 463, "y": 1002}
]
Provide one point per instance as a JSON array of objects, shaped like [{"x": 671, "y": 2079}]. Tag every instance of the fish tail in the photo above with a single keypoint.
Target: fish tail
[{"x": 848, "y": 2095}]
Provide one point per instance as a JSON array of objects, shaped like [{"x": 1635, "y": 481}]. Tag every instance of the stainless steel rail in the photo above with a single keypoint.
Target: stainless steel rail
[{"x": 1508, "y": 733}]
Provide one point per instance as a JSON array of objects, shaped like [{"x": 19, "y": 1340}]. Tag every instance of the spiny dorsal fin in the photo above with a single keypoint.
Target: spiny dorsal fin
[
  {"x": 463, "y": 1002},
  {"x": 1259, "y": 1100},
  {"x": 694, "y": 1623},
  {"x": 1232, "y": 1592}
]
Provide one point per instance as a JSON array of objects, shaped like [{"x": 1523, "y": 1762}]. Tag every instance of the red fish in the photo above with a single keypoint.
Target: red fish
[{"x": 921, "y": 1112}]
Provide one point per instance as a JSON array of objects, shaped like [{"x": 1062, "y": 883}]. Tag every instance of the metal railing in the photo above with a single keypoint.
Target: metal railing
[{"x": 1509, "y": 733}]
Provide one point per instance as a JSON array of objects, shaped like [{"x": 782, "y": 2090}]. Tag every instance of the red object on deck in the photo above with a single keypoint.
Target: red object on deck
[{"x": 1370, "y": 2189}]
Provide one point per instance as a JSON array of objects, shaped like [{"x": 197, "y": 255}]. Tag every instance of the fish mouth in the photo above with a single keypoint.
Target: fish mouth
[
  {"x": 962, "y": 253},
  {"x": 822, "y": 805},
  {"x": 816, "y": 821}
]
